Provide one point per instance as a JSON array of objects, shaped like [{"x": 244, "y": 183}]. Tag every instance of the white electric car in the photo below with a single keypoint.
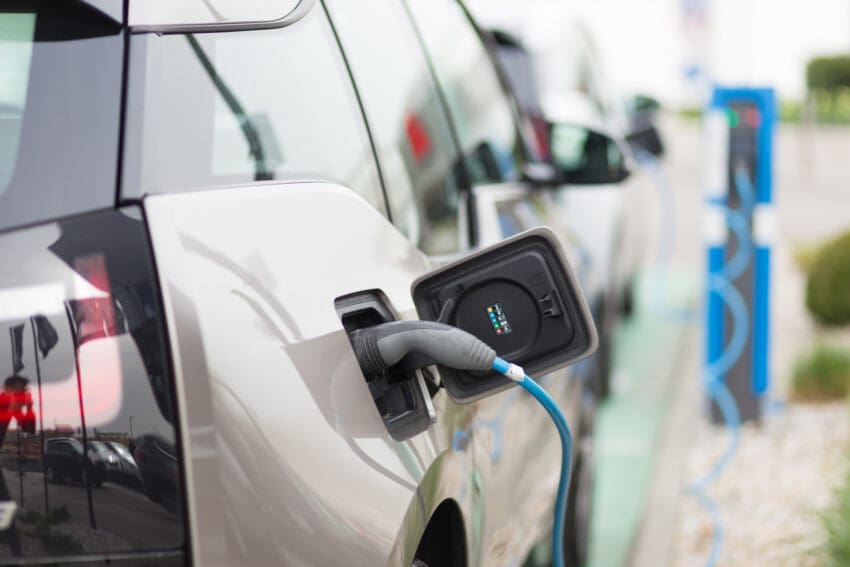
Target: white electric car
[{"x": 198, "y": 200}]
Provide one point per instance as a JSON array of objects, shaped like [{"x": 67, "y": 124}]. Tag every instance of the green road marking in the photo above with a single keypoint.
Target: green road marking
[{"x": 647, "y": 351}]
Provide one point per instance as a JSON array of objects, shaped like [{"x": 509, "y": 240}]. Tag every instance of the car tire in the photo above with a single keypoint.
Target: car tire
[{"x": 579, "y": 508}]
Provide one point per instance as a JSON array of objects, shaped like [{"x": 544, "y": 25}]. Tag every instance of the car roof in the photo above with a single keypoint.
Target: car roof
[{"x": 202, "y": 15}]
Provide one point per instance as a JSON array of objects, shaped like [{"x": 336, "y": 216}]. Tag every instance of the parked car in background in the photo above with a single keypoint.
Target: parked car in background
[
  {"x": 63, "y": 459},
  {"x": 159, "y": 467},
  {"x": 129, "y": 471},
  {"x": 109, "y": 459},
  {"x": 234, "y": 187},
  {"x": 587, "y": 131}
]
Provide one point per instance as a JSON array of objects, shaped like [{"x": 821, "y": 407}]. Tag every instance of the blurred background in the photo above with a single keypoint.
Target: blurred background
[{"x": 779, "y": 493}]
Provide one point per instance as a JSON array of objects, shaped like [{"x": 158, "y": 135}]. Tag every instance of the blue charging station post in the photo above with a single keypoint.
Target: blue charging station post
[{"x": 739, "y": 125}]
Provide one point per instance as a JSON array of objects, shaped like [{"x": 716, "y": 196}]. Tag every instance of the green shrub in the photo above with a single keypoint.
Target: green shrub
[
  {"x": 837, "y": 524},
  {"x": 827, "y": 73},
  {"x": 805, "y": 255},
  {"x": 828, "y": 288},
  {"x": 823, "y": 374}
]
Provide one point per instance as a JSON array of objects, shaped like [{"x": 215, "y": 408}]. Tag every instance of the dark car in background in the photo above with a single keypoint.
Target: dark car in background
[
  {"x": 110, "y": 460},
  {"x": 159, "y": 469},
  {"x": 63, "y": 459}
]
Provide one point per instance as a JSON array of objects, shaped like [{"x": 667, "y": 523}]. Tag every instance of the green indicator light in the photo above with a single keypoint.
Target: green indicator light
[{"x": 734, "y": 118}]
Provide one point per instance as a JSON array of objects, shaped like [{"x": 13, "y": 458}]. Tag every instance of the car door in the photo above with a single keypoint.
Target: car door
[{"x": 264, "y": 262}]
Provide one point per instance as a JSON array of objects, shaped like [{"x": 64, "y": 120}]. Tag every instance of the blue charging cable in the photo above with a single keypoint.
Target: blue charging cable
[
  {"x": 517, "y": 374},
  {"x": 380, "y": 347},
  {"x": 721, "y": 285}
]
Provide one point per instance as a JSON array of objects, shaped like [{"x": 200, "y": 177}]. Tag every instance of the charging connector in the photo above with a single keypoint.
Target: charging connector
[{"x": 417, "y": 344}]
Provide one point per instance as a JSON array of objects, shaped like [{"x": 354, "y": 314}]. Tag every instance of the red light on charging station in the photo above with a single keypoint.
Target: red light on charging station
[{"x": 752, "y": 118}]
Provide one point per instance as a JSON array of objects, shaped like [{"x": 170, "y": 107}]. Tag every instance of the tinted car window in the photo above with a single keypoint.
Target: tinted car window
[
  {"x": 417, "y": 153},
  {"x": 60, "y": 94},
  {"x": 479, "y": 106},
  {"x": 217, "y": 109},
  {"x": 87, "y": 362}
]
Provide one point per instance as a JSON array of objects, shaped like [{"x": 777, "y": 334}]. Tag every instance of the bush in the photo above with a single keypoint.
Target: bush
[
  {"x": 824, "y": 374},
  {"x": 837, "y": 524},
  {"x": 828, "y": 288},
  {"x": 828, "y": 73}
]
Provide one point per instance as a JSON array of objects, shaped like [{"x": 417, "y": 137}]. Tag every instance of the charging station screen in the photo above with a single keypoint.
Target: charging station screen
[{"x": 498, "y": 320}]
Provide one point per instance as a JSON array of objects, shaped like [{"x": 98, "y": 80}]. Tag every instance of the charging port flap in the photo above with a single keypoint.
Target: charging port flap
[{"x": 521, "y": 298}]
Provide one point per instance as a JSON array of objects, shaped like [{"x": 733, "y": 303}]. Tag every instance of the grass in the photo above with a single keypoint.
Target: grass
[
  {"x": 821, "y": 375},
  {"x": 836, "y": 521},
  {"x": 41, "y": 528}
]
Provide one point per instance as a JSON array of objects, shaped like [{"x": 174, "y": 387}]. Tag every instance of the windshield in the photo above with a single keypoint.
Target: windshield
[
  {"x": 120, "y": 449},
  {"x": 60, "y": 89},
  {"x": 100, "y": 448}
]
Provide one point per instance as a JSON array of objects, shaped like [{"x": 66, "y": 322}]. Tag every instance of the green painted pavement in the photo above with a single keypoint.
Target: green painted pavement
[{"x": 646, "y": 358}]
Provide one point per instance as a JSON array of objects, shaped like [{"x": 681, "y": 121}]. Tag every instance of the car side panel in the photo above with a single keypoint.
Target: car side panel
[{"x": 288, "y": 459}]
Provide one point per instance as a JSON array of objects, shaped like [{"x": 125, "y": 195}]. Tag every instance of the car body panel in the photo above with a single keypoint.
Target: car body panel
[{"x": 287, "y": 457}]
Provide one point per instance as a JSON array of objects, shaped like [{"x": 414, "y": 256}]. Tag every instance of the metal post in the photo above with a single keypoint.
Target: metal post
[
  {"x": 82, "y": 415},
  {"x": 40, "y": 413}
]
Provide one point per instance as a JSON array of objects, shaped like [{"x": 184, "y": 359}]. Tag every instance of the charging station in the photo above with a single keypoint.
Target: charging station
[{"x": 739, "y": 228}]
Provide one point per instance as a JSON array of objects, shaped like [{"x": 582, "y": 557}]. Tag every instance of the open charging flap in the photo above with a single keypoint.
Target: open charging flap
[{"x": 521, "y": 298}]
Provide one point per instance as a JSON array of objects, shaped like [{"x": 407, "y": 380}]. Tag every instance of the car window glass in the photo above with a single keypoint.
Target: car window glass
[
  {"x": 217, "y": 109},
  {"x": 85, "y": 363},
  {"x": 479, "y": 106},
  {"x": 417, "y": 154},
  {"x": 60, "y": 94}
]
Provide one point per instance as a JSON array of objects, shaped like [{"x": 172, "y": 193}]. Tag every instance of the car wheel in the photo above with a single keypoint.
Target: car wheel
[{"x": 577, "y": 528}]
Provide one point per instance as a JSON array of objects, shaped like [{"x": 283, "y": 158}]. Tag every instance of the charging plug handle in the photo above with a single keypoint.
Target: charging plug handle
[{"x": 380, "y": 347}]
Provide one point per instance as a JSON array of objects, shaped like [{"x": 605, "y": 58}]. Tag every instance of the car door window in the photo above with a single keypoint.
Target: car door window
[
  {"x": 60, "y": 98},
  {"x": 228, "y": 108},
  {"x": 87, "y": 359},
  {"x": 418, "y": 157},
  {"x": 481, "y": 110}
]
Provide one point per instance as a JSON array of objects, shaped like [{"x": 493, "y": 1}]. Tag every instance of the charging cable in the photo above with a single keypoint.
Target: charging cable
[
  {"x": 415, "y": 344},
  {"x": 518, "y": 375},
  {"x": 721, "y": 285}
]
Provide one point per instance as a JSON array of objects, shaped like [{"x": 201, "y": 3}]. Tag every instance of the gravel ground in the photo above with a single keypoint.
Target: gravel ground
[
  {"x": 771, "y": 494},
  {"x": 785, "y": 470}
]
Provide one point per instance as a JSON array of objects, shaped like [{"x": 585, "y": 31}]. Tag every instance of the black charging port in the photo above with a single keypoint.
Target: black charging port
[{"x": 402, "y": 398}]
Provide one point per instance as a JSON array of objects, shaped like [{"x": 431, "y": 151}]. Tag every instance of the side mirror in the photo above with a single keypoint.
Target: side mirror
[
  {"x": 519, "y": 297},
  {"x": 540, "y": 174},
  {"x": 584, "y": 156},
  {"x": 643, "y": 134},
  {"x": 642, "y": 104}
]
